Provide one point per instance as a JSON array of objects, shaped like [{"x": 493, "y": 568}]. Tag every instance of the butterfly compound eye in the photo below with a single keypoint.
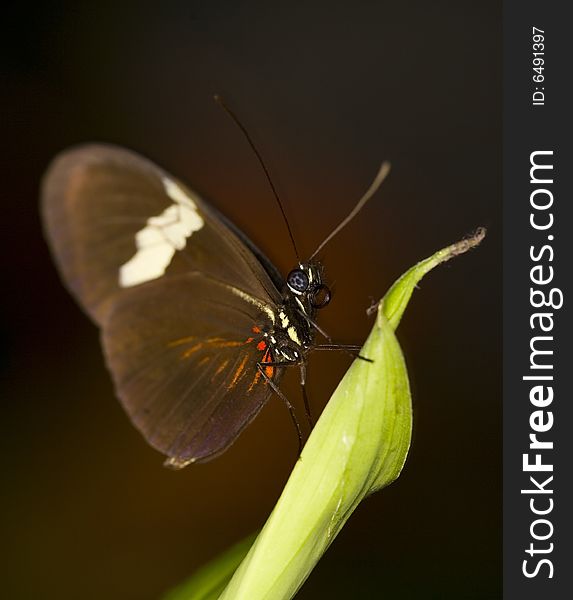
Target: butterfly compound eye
[
  {"x": 321, "y": 296},
  {"x": 297, "y": 280}
]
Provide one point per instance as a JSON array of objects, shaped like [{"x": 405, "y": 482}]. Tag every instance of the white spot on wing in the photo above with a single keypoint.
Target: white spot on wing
[{"x": 163, "y": 234}]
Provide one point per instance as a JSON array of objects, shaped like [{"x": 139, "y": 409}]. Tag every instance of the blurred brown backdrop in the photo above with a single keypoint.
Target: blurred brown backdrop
[{"x": 328, "y": 90}]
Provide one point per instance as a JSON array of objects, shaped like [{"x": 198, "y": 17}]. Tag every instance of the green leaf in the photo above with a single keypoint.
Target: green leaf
[
  {"x": 358, "y": 446},
  {"x": 397, "y": 297}
]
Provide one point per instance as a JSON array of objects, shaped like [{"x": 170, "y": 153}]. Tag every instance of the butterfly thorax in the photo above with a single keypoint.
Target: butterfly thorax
[{"x": 293, "y": 331}]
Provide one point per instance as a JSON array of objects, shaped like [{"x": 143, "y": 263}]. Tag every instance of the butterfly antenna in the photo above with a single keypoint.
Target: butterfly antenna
[
  {"x": 233, "y": 116},
  {"x": 374, "y": 186}
]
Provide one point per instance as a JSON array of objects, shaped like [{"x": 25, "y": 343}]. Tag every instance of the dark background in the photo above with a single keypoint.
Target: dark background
[{"x": 328, "y": 90}]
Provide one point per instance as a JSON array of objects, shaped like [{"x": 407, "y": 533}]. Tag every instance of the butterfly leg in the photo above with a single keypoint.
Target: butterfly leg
[
  {"x": 261, "y": 367},
  {"x": 315, "y": 325},
  {"x": 302, "y": 364},
  {"x": 305, "y": 395},
  {"x": 349, "y": 348}
]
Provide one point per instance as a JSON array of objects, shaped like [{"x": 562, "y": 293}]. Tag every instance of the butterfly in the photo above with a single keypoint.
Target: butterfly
[{"x": 197, "y": 324}]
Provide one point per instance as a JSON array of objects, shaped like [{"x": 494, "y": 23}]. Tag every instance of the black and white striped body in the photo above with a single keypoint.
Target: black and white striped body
[{"x": 293, "y": 332}]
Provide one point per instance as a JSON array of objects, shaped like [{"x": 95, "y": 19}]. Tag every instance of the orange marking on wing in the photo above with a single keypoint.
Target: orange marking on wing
[
  {"x": 269, "y": 371},
  {"x": 220, "y": 368},
  {"x": 238, "y": 372},
  {"x": 268, "y": 358},
  {"x": 181, "y": 341},
  {"x": 187, "y": 353},
  {"x": 255, "y": 380},
  {"x": 256, "y": 329},
  {"x": 222, "y": 343},
  {"x": 249, "y": 340},
  {"x": 262, "y": 346},
  {"x": 204, "y": 360}
]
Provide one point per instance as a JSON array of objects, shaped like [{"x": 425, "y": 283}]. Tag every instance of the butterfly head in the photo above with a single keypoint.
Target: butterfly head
[{"x": 305, "y": 282}]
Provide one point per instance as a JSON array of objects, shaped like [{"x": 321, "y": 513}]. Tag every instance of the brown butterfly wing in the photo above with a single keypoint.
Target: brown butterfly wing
[
  {"x": 177, "y": 291},
  {"x": 99, "y": 202},
  {"x": 184, "y": 354}
]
